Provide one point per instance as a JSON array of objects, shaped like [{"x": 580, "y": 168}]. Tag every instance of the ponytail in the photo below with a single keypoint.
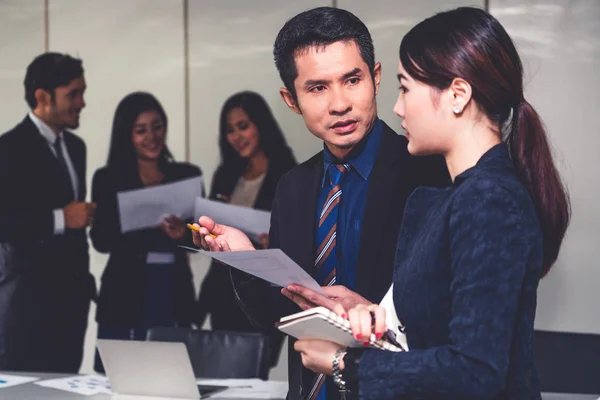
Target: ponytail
[{"x": 533, "y": 159}]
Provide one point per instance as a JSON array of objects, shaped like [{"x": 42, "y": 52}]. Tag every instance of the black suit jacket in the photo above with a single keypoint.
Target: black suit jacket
[
  {"x": 394, "y": 176},
  {"x": 46, "y": 265},
  {"x": 122, "y": 293}
]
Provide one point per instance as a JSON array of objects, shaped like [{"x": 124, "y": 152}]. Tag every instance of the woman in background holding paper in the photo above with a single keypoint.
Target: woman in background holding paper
[
  {"x": 472, "y": 255},
  {"x": 254, "y": 155},
  {"x": 147, "y": 281}
]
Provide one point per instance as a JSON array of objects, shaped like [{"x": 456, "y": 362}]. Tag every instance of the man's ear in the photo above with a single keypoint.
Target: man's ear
[
  {"x": 377, "y": 76},
  {"x": 42, "y": 97},
  {"x": 289, "y": 99}
]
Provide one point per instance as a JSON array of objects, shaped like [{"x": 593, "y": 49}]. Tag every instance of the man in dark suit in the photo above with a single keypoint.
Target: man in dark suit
[
  {"x": 326, "y": 60},
  {"x": 43, "y": 216}
]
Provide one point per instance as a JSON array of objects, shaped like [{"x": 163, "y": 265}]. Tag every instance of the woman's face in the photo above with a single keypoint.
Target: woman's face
[
  {"x": 425, "y": 115},
  {"x": 148, "y": 136},
  {"x": 242, "y": 134}
]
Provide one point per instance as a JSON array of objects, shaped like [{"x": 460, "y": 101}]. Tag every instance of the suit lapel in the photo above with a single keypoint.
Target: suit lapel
[
  {"x": 306, "y": 212},
  {"x": 380, "y": 198},
  {"x": 77, "y": 158}
]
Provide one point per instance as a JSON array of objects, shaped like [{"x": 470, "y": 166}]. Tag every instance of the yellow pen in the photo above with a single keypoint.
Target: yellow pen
[{"x": 195, "y": 228}]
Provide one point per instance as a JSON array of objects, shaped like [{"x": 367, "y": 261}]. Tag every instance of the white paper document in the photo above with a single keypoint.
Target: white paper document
[
  {"x": 248, "y": 220},
  {"x": 247, "y": 388},
  {"x": 145, "y": 208},
  {"x": 14, "y": 380},
  {"x": 87, "y": 385},
  {"x": 272, "y": 265}
]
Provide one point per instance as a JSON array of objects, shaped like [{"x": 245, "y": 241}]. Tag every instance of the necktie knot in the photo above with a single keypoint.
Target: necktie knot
[{"x": 336, "y": 173}]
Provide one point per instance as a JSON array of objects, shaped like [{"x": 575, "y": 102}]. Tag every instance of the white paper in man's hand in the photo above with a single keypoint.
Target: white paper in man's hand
[
  {"x": 272, "y": 265},
  {"x": 145, "y": 208},
  {"x": 248, "y": 220}
]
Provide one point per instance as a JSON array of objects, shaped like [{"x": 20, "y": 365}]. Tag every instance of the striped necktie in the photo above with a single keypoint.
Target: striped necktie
[{"x": 325, "y": 258}]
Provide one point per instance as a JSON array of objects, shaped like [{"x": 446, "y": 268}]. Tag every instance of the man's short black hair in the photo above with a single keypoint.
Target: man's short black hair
[
  {"x": 49, "y": 71},
  {"x": 319, "y": 27}
]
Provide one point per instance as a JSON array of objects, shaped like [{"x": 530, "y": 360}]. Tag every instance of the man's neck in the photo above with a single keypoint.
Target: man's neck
[{"x": 44, "y": 119}]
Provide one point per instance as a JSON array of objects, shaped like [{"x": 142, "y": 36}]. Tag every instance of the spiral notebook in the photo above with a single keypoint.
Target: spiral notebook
[{"x": 320, "y": 323}]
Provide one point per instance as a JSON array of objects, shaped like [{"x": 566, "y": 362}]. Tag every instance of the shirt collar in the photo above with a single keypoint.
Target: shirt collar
[
  {"x": 44, "y": 129},
  {"x": 362, "y": 157}
]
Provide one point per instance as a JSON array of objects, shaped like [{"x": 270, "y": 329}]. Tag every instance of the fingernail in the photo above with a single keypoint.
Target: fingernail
[
  {"x": 365, "y": 343},
  {"x": 358, "y": 336},
  {"x": 378, "y": 335},
  {"x": 344, "y": 316}
]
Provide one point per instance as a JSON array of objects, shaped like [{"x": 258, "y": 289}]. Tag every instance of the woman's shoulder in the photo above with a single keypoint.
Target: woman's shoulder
[{"x": 184, "y": 170}]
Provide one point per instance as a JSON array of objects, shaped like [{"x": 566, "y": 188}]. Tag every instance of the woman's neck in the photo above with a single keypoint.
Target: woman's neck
[
  {"x": 468, "y": 147},
  {"x": 149, "y": 172},
  {"x": 257, "y": 165}
]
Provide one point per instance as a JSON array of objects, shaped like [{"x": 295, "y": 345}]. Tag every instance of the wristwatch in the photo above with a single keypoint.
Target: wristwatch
[{"x": 337, "y": 374}]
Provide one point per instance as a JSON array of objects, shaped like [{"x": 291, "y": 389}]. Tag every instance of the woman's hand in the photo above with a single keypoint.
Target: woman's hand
[
  {"x": 173, "y": 226},
  {"x": 317, "y": 355},
  {"x": 365, "y": 320}
]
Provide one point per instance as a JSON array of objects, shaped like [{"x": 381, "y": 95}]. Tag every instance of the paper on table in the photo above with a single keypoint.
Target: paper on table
[
  {"x": 247, "y": 388},
  {"x": 85, "y": 385},
  {"x": 144, "y": 208},
  {"x": 14, "y": 380},
  {"x": 272, "y": 265},
  {"x": 249, "y": 220}
]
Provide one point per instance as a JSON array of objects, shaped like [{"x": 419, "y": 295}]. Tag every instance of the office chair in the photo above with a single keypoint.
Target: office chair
[{"x": 220, "y": 354}]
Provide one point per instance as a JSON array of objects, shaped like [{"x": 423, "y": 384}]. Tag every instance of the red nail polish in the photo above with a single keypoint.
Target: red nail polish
[
  {"x": 365, "y": 343},
  {"x": 344, "y": 316},
  {"x": 378, "y": 335},
  {"x": 358, "y": 336}
]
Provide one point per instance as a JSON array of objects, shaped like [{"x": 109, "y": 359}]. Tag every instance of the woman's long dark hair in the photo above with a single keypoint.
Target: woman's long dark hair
[
  {"x": 271, "y": 139},
  {"x": 122, "y": 159},
  {"x": 469, "y": 43}
]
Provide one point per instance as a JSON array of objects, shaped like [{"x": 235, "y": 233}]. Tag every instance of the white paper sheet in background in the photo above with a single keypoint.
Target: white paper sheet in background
[
  {"x": 81, "y": 384},
  {"x": 144, "y": 208},
  {"x": 14, "y": 380},
  {"x": 249, "y": 220},
  {"x": 272, "y": 265},
  {"x": 247, "y": 388}
]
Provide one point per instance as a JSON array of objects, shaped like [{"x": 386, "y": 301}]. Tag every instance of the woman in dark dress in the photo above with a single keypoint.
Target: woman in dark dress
[
  {"x": 147, "y": 281},
  {"x": 254, "y": 155}
]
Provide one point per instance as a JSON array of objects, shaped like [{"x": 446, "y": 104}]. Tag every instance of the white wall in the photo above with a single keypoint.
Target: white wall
[
  {"x": 138, "y": 45},
  {"x": 559, "y": 42},
  {"x": 16, "y": 52}
]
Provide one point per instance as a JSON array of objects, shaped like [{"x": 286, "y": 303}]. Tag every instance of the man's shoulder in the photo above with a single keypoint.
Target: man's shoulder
[
  {"x": 14, "y": 135},
  {"x": 302, "y": 171}
]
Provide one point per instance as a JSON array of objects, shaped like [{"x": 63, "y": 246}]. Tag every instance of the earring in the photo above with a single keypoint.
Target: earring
[{"x": 456, "y": 110}]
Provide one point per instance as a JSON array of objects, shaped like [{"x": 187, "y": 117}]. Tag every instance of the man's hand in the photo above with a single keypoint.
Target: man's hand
[
  {"x": 338, "y": 298},
  {"x": 317, "y": 355},
  {"x": 215, "y": 237},
  {"x": 79, "y": 214}
]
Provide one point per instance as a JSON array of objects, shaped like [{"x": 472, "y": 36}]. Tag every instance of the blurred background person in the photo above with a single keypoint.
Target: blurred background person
[
  {"x": 147, "y": 281},
  {"x": 254, "y": 155},
  {"x": 44, "y": 271}
]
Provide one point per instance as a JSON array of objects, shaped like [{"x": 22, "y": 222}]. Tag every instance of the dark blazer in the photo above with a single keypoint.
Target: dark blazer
[
  {"x": 216, "y": 296},
  {"x": 50, "y": 268},
  {"x": 122, "y": 292},
  {"x": 394, "y": 176},
  {"x": 467, "y": 269}
]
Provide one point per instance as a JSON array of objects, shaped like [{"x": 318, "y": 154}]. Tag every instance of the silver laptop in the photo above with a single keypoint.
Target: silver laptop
[{"x": 155, "y": 369}]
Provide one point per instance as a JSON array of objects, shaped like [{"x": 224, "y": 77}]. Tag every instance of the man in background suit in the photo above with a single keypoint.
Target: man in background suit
[
  {"x": 325, "y": 58},
  {"x": 43, "y": 216}
]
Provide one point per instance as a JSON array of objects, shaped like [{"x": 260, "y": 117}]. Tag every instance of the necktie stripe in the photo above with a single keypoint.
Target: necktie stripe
[
  {"x": 325, "y": 241},
  {"x": 335, "y": 192},
  {"x": 330, "y": 208},
  {"x": 319, "y": 380},
  {"x": 329, "y": 247}
]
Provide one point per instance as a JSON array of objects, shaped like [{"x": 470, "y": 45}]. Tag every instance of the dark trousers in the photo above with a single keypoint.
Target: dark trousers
[{"x": 50, "y": 329}]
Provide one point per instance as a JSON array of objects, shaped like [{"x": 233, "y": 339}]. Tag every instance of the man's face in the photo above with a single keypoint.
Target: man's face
[
  {"x": 63, "y": 111},
  {"x": 335, "y": 94}
]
